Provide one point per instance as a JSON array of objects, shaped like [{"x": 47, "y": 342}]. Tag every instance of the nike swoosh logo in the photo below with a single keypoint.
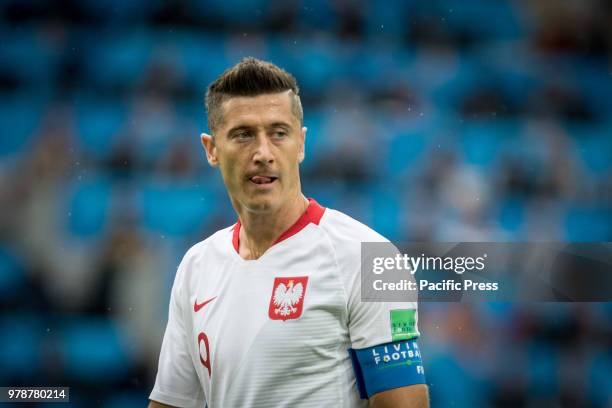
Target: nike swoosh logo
[{"x": 197, "y": 307}]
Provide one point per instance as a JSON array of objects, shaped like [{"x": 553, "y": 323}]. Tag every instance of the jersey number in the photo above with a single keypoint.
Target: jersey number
[{"x": 202, "y": 338}]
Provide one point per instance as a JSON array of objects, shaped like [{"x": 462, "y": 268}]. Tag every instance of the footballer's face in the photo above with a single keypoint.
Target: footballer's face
[{"x": 258, "y": 148}]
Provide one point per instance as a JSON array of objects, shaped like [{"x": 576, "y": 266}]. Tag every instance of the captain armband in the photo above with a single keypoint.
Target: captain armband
[{"x": 387, "y": 366}]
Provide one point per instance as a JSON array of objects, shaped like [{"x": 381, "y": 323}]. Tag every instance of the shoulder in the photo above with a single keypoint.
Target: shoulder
[
  {"x": 343, "y": 229},
  {"x": 206, "y": 249},
  {"x": 345, "y": 235},
  {"x": 193, "y": 261}
]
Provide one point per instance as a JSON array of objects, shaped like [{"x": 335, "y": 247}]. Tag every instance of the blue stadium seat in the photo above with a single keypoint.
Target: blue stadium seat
[
  {"x": 468, "y": 74},
  {"x": 514, "y": 77},
  {"x": 386, "y": 210},
  {"x": 232, "y": 11},
  {"x": 175, "y": 208},
  {"x": 407, "y": 150},
  {"x": 450, "y": 384},
  {"x": 19, "y": 120},
  {"x": 88, "y": 206},
  {"x": 315, "y": 64},
  {"x": 592, "y": 79},
  {"x": 127, "y": 399},
  {"x": 386, "y": 60},
  {"x": 195, "y": 115},
  {"x": 21, "y": 346},
  {"x": 588, "y": 224},
  {"x": 543, "y": 360},
  {"x": 202, "y": 57},
  {"x": 119, "y": 59},
  {"x": 12, "y": 274},
  {"x": 280, "y": 52},
  {"x": 491, "y": 313},
  {"x": 386, "y": 19},
  {"x": 99, "y": 123},
  {"x": 117, "y": 10},
  {"x": 482, "y": 141},
  {"x": 81, "y": 398},
  {"x": 91, "y": 348},
  {"x": 511, "y": 215},
  {"x": 489, "y": 20},
  {"x": 594, "y": 147},
  {"x": 28, "y": 56},
  {"x": 318, "y": 14},
  {"x": 598, "y": 378}
]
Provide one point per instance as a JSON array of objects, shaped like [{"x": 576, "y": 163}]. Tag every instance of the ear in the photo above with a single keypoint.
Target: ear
[
  {"x": 301, "y": 152},
  {"x": 208, "y": 142}
]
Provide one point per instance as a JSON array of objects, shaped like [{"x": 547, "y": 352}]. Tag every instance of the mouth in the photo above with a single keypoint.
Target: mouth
[{"x": 263, "y": 180}]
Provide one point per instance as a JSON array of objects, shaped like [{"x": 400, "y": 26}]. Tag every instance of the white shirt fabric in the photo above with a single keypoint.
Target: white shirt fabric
[{"x": 264, "y": 354}]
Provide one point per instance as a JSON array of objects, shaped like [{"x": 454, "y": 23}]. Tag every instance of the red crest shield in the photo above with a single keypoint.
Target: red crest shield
[{"x": 287, "y": 299}]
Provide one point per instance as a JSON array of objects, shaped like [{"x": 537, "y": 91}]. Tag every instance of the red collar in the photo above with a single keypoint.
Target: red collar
[{"x": 313, "y": 214}]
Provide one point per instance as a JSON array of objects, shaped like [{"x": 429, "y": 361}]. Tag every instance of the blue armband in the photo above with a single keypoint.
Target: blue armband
[{"x": 387, "y": 366}]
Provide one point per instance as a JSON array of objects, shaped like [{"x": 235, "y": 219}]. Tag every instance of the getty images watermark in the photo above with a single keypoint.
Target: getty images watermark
[
  {"x": 412, "y": 264},
  {"x": 472, "y": 272}
]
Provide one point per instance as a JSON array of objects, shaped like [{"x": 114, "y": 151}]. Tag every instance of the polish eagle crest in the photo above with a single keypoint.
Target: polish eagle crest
[{"x": 287, "y": 298}]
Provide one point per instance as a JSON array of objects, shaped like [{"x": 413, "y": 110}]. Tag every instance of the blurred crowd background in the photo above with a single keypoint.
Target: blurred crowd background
[{"x": 446, "y": 120}]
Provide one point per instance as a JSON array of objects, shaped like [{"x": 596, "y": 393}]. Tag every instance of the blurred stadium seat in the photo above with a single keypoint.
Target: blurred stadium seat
[
  {"x": 126, "y": 400},
  {"x": 544, "y": 366},
  {"x": 481, "y": 142},
  {"x": 173, "y": 208},
  {"x": 406, "y": 150},
  {"x": 12, "y": 275},
  {"x": 91, "y": 348},
  {"x": 89, "y": 205},
  {"x": 28, "y": 56},
  {"x": 19, "y": 119},
  {"x": 99, "y": 125},
  {"x": 21, "y": 347},
  {"x": 584, "y": 224},
  {"x": 594, "y": 151},
  {"x": 511, "y": 214},
  {"x": 598, "y": 377},
  {"x": 118, "y": 59}
]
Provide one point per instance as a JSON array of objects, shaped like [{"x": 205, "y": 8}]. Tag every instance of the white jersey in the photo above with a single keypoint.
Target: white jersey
[{"x": 274, "y": 331}]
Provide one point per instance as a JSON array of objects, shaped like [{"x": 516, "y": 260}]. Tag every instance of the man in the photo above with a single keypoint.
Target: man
[{"x": 267, "y": 312}]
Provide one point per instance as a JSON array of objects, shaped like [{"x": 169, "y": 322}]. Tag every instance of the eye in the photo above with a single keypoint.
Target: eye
[
  {"x": 241, "y": 135},
  {"x": 279, "y": 134}
]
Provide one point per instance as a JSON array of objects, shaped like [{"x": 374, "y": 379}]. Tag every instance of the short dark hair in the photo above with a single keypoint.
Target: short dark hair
[{"x": 250, "y": 77}]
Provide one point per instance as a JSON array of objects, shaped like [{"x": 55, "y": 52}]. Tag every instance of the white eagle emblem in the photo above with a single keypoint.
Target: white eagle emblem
[{"x": 285, "y": 297}]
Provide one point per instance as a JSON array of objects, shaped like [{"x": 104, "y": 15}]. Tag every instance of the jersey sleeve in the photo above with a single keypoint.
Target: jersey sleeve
[
  {"x": 177, "y": 382},
  {"x": 384, "y": 350},
  {"x": 376, "y": 322}
]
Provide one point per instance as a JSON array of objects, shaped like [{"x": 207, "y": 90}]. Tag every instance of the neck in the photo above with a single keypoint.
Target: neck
[{"x": 259, "y": 231}]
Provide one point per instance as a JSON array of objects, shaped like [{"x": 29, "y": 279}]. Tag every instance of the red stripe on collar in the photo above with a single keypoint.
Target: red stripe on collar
[{"x": 313, "y": 214}]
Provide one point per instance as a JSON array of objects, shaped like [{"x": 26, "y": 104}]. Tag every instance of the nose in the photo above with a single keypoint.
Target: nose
[{"x": 263, "y": 150}]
